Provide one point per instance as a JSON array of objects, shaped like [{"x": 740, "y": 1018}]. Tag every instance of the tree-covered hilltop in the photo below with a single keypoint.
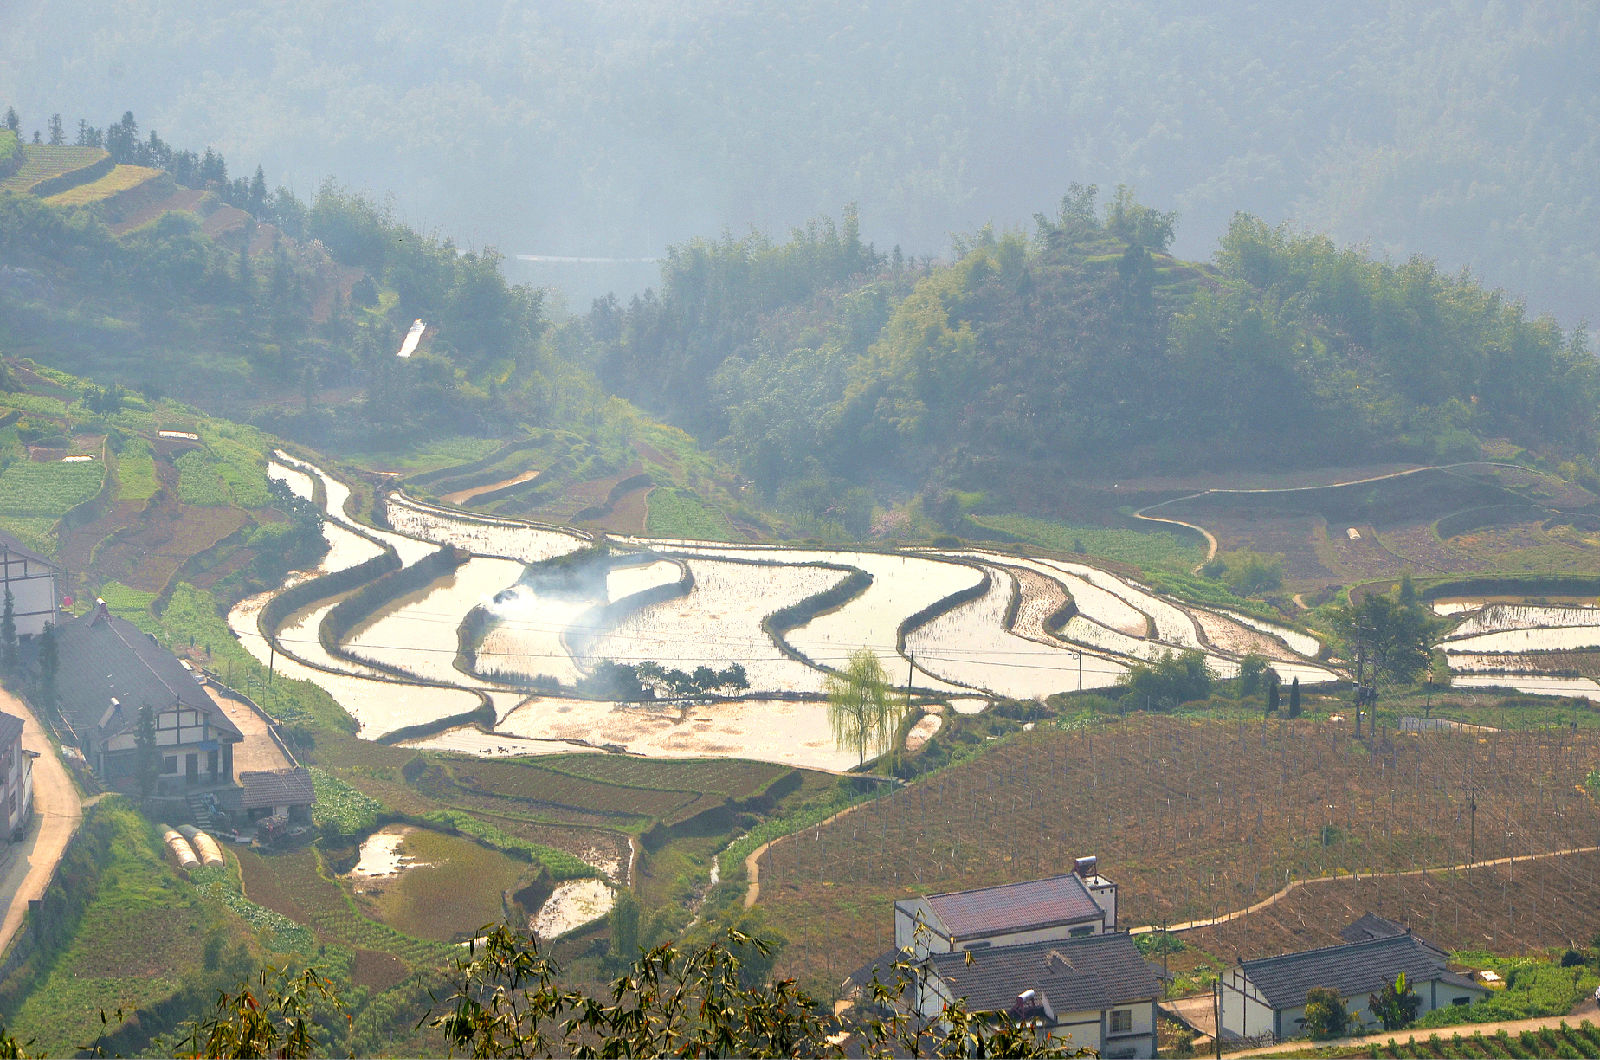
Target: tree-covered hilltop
[
  {"x": 1459, "y": 129},
  {"x": 819, "y": 364}
]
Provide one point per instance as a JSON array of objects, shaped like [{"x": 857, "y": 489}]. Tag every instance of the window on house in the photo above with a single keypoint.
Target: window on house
[
  {"x": 1080, "y": 932},
  {"x": 169, "y": 763},
  {"x": 1122, "y": 1021},
  {"x": 1461, "y": 1001}
]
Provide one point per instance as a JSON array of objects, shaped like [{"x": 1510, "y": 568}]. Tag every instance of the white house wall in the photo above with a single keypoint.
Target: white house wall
[{"x": 33, "y": 600}]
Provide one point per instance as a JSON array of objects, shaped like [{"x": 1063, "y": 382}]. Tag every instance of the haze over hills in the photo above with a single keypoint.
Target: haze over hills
[{"x": 1453, "y": 129}]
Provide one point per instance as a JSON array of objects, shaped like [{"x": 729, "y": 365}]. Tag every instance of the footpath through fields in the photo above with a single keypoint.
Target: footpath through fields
[
  {"x": 1583, "y": 1013},
  {"x": 1435, "y": 870},
  {"x": 26, "y": 868}
]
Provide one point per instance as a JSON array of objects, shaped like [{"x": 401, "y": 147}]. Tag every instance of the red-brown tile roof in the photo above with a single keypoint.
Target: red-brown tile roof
[{"x": 1014, "y": 907}]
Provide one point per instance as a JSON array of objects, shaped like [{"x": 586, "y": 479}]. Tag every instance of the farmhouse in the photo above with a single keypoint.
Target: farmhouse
[
  {"x": 286, "y": 793},
  {"x": 1097, "y": 988},
  {"x": 109, "y": 671},
  {"x": 1071, "y": 905},
  {"x": 1268, "y": 996},
  {"x": 31, "y": 580},
  {"x": 16, "y": 778}
]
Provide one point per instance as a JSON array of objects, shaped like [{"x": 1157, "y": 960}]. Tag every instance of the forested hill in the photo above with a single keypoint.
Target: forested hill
[
  {"x": 1084, "y": 350},
  {"x": 1458, "y": 129}
]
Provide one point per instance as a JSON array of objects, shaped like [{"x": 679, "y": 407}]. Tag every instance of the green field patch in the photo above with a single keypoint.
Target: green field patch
[
  {"x": 1145, "y": 549},
  {"x": 675, "y": 512},
  {"x": 120, "y": 179},
  {"x": 41, "y": 162},
  {"x": 38, "y": 532},
  {"x": 48, "y": 489},
  {"x": 136, "y": 471},
  {"x": 340, "y": 808},
  {"x": 125, "y": 602},
  {"x": 221, "y": 474},
  {"x": 453, "y": 888}
]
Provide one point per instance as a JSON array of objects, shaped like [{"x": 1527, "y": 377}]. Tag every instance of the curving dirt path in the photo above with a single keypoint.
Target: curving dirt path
[
  {"x": 30, "y": 865},
  {"x": 463, "y": 496},
  {"x": 1435, "y": 870},
  {"x": 1211, "y": 541},
  {"x": 1402, "y": 1038},
  {"x": 752, "y": 861}
]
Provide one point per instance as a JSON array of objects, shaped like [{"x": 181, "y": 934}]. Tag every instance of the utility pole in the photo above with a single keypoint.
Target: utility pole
[
  {"x": 1472, "y": 814},
  {"x": 1216, "y": 1010}
]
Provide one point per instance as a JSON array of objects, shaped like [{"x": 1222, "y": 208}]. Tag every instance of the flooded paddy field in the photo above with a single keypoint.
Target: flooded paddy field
[{"x": 540, "y": 607}]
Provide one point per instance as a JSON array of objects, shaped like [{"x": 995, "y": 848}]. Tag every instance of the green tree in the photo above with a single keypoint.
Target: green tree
[
  {"x": 861, "y": 709},
  {"x": 1170, "y": 679},
  {"x": 1252, "y": 668},
  {"x": 1274, "y": 687},
  {"x": 281, "y": 1019},
  {"x": 8, "y": 635},
  {"x": 1248, "y": 573},
  {"x": 1294, "y": 698},
  {"x": 1396, "y": 638},
  {"x": 49, "y": 666},
  {"x": 1326, "y": 1016},
  {"x": 692, "y": 1001},
  {"x": 1396, "y": 1004}
]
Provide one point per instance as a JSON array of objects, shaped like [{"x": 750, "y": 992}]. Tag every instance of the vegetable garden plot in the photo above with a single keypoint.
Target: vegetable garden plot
[
  {"x": 471, "y": 740},
  {"x": 480, "y": 534},
  {"x": 418, "y": 634},
  {"x": 1191, "y": 819},
  {"x": 786, "y": 732},
  {"x": 718, "y": 623},
  {"x": 971, "y": 646}
]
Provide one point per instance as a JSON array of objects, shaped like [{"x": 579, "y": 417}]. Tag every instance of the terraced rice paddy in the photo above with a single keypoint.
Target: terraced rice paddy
[
  {"x": 1531, "y": 648},
  {"x": 967, "y": 624},
  {"x": 717, "y": 624},
  {"x": 418, "y": 634}
]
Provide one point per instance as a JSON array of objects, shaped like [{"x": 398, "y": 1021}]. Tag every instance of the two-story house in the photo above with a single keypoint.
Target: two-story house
[
  {"x": 16, "y": 779},
  {"x": 110, "y": 670}
]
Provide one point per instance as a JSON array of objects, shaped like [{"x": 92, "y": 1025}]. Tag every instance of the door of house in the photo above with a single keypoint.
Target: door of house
[{"x": 191, "y": 767}]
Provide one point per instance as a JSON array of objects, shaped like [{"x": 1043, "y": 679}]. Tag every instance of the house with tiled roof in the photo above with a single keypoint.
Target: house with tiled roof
[
  {"x": 277, "y": 793},
  {"x": 1268, "y": 996},
  {"x": 109, "y": 671},
  {"x": 31, "y": 581},
  {"x": 1096, "y": 988},
  {"x": 1071, "y": 905}
]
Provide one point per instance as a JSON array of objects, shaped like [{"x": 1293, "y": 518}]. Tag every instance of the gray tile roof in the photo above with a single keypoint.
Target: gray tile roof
[
  {"x": 10, "y": 730},
  {"x": 1371, "y": 926},
  {"x": 1352, "y": 968},
  {"x": 103, "y": 657},
  {"x": 276, "y": 787},
  {"x": 1074, "y": 975},
  {"x": 1013, "y": 907},
  {"x": 22, "y": 552}
]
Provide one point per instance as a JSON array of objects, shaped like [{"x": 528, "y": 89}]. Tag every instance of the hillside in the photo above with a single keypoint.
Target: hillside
[
  {"x": 1451, "y": 128},
  {"x": 1083, "y": 354}
]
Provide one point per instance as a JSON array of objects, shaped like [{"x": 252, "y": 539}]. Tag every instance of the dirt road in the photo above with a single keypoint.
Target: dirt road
[
  {"x": 1466, "y": 1030},
  {"x": 27, "y": 867}
]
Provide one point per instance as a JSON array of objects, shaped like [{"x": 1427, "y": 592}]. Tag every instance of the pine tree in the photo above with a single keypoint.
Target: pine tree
[
  {"x": 1294, "y": 699},
  {"x": 8, "y": 636}
]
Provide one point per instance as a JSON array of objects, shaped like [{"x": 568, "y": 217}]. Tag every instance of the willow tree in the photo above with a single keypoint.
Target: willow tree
[{"x": 861, "y": 707}]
